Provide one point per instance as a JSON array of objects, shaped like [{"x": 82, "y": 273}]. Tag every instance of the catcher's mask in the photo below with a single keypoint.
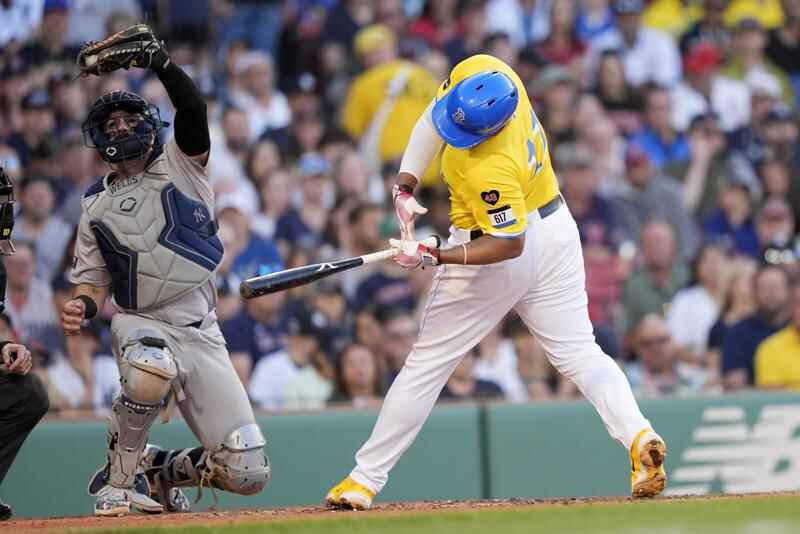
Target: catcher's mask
[{"x": 134, "y": 144}]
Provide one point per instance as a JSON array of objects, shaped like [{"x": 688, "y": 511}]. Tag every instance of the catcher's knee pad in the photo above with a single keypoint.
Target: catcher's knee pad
[
  {"x": 239, "y": 464},
  {"x": 146, "y": 370},
  {"x": 147, "y": 367}
]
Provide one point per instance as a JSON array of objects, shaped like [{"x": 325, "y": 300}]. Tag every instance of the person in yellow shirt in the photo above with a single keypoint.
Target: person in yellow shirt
[
  {"x": 513, "y": 245},
  {"x": 383, "y": 103},
  {"x": 778, "y": 357}
]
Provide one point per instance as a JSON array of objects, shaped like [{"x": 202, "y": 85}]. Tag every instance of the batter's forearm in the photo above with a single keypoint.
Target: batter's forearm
[{"x": 484, "y": 251}]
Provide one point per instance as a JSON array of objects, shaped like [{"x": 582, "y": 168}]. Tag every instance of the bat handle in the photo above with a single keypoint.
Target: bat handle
[{"x": 380, "y": 255}]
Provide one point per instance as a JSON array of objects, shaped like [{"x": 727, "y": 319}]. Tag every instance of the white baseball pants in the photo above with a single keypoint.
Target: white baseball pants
[{"x": 546, "y": 286}]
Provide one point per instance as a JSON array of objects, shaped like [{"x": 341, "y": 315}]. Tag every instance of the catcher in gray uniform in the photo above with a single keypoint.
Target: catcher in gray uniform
[{"x": 148, "y": 239}]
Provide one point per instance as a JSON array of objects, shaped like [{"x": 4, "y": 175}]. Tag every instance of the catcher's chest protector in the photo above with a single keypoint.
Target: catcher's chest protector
[{"x": 157, "y": 242}]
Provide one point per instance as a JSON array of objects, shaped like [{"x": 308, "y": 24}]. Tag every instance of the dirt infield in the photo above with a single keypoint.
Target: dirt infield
[{"x": 251, "y": 516}]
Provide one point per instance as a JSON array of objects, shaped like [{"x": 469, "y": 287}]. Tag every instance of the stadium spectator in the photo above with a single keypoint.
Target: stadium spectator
[
  {"x": 658, "y": 137},
  {"x": 384, "y": 101},
  {"x": 710, "y": 29},
  {"x": 775, "y": 228},
  {"x": 29, "y": 301},
  {"x": 657, "y": 370},
  {"x": 303, "y": 225},
  {"x": 257, "y": 331},
  {"x": 739, "y": 344},
  {"x": 647, "y": 194},
  {"x": 88, "y": 19},
  {"x": 50, "y": 45},
  {"x": 595, "y": 17},
  {"x": 748, "y": 56},
  {"x": 399, "y": 330},
  {"x": 524, "y": 21},
  {"x": 21, "y": 20},
  {"x": 652, "y": 286},
  {"x": 783, "y": 46},
  {"x": 358, "y": 380},
  {"x": 297, "y": 377},
  {"x": 600, "y": 232},
  {"x": 649, "y": 55},
  {"x": 496, "y": 362},
  {"x": 255, "y": 91},
  {"x": 703, "y": 175},
  {"x": 463, "y": 384},
  {"x": 470, "y": 41},
  {"x": 38, "y": 224},
  {"x": 739, "y": 303},
  {"x": 703, "y": 90},
  {"x": 695, "y": 308},
  {"x": 557, "y": 91},
  {"x": 776, "y": 365},
  {"x": 562, "y": 45},
  {"x": 38, "y": 120},
  {"x": 732, "y": 224},
  {"x": 436, "y": 24},
  {"x": 82, "y": 378},
  {"x": 622, "y": 102}
]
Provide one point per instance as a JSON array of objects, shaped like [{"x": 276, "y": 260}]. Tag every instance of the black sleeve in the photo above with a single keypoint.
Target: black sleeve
[{"x": 191, "y": 121}]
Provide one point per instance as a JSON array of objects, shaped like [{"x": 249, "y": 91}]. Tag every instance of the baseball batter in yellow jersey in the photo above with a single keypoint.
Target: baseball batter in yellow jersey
[{"x": 513, "y": 245}]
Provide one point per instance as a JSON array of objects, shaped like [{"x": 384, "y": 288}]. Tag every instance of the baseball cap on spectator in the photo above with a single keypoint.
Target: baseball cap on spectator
[
  {"x": 742, "y": 176},
  {"x": 627, "y": 6},
  {"x": 702, "y": 58},
  {"x": 780, "y": 113},
  {"x": 748, "y": 24},
  {"x": 36, "y": 99},
  {"x": 551, "y": 76},
  {"x": 234, "y": 200},
  {"x": 56, "y": 5},
  {"x": 372, "y": 38},
  {"x": 762, "y": 82},
  {"x": 299, "y": 322},
  {"x": 313, "y": 165}
]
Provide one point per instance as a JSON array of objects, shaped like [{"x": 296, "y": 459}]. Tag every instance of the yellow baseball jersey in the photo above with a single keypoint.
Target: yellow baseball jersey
[
  {"x": 778, "y": 360},
  {"x": 494, "y": 185}
]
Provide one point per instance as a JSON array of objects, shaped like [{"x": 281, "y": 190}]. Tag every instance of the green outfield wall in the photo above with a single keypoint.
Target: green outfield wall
[{"x": 748, "y": 442}]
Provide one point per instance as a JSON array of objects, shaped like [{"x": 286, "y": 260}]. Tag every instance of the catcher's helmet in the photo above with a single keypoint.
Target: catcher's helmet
[
  {"x": 142, "y": 137},
  {"x": 475, "y": 109}
]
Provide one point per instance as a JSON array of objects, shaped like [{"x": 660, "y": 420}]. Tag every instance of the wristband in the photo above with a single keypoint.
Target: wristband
[
  {"x": 91, "y": 307},
  {"x": 401, "y": 188}
]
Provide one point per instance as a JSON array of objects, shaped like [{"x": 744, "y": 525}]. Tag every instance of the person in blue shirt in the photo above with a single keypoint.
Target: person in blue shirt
[
  {"x": 731, "y": 225},
  {"x": 662, "y": 142},
  {"x": 741, "y": 340}
]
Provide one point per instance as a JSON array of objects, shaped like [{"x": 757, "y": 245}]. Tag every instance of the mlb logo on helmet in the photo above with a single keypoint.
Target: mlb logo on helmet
[{"x": 458, "y": 116}]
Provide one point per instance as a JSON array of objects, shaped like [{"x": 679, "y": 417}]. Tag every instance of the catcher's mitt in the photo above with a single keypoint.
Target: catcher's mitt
[{"x": 136, "y": 46}]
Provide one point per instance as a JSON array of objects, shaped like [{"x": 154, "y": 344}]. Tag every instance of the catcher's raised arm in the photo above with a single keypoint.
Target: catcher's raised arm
[{"x": 138, "y": 46}]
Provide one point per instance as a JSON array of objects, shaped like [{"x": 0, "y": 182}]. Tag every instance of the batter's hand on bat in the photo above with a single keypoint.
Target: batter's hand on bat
[
  {"x": 416, "y": 254},
  {"x": 17, "y": 359},
  {"x": 406, "y": 208},
  {"x": 72, "y": 316}
]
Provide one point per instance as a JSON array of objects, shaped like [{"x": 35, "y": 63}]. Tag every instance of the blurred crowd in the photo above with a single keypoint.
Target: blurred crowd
[{"x": 672, "y": 126}]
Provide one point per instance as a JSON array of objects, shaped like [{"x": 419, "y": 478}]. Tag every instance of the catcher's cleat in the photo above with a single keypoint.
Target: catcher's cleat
[
  {"x": 349, "y": 495},
  {"x": 161, "y": 489},
  {"x": 648, "y": 477},
  {"x": 113, "y": 501}
]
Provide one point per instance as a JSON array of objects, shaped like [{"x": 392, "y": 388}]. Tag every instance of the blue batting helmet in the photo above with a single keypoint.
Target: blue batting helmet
[{"x": 475, "y": 109}]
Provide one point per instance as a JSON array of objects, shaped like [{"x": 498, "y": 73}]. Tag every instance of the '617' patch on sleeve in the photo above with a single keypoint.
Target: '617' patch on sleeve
[{"x": 501, "y": 217}]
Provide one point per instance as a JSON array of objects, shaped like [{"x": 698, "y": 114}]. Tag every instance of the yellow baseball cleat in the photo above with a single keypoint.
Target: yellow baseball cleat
[
  {"x": 648, "y": 452},
  {"x": 349, "y": 495}
]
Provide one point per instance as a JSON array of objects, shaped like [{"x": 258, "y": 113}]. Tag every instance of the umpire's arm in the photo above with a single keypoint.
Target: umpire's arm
[{"x": 191, "y": 119}]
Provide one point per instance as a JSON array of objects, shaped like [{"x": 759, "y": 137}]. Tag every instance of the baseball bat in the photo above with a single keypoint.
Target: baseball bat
[{"x": 290, "y": 278}]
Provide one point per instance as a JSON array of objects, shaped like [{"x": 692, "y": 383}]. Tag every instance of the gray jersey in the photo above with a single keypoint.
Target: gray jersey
[{"x": 152, "y": 239}]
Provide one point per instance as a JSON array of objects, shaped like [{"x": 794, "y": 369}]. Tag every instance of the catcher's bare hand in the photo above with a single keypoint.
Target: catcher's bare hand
[
  {"x": 136, "y": 46},
  {"x": 72, "y": 316}
]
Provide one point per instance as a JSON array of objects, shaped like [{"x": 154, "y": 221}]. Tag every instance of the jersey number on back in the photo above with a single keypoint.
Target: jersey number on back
[{"x": 537, "y": 132}]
